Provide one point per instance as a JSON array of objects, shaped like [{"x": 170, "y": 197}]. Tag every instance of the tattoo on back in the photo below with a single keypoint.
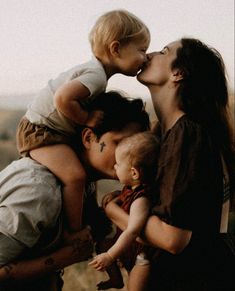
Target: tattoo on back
[{"x": 102, "y": 145}]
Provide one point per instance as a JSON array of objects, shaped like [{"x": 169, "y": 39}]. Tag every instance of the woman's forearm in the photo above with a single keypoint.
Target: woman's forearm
[
  {"x": 77, "y": 252},
  {"x": 157, "y": 233},
  {"x": 118, "y": 216},
  {"x": 167, "y": 237}
]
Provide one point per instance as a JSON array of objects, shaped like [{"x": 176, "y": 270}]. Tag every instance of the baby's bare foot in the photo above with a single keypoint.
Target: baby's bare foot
[{"x": 104, "y": 285}]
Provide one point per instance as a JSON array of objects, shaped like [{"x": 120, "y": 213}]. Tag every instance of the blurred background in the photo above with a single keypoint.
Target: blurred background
[{"x": 40, "y": 39}]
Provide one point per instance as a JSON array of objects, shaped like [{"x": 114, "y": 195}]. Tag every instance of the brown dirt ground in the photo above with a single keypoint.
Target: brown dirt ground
[{"x": 80, "y": 277}]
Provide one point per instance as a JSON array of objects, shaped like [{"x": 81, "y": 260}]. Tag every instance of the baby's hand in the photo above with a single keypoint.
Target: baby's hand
[
  {"x": 101, "y": 261},
  {"x": 94, "y": 118}
]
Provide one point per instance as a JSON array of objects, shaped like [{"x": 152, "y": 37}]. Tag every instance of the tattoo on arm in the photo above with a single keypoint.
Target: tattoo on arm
[{"x": 102, "y": 145}]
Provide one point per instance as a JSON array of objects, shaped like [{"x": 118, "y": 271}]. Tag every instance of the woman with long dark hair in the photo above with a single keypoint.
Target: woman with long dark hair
[{"x": 196, "y": 169}]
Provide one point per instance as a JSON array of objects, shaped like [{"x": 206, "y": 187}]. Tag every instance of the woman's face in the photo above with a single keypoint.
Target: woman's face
[
  {"x": 100, "y": 154},
  {"x": 158, "y": 70}
]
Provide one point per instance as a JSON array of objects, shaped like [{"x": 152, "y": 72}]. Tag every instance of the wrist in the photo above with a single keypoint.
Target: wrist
[
  {"x": 5, "y": 273},
  {"x": 110, "y": 256}
]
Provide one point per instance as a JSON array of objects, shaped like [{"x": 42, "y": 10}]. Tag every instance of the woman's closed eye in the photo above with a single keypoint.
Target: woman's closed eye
[{"x": 164, "y": 50}]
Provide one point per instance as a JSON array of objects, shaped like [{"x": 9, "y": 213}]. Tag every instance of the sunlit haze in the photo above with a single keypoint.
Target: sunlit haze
[{"x": 40, "y": 39}]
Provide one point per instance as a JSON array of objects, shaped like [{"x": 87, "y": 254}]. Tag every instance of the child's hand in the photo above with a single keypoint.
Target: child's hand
[
  {"x": 94, "y": 118},
  {"x": 101, "y": 261}
]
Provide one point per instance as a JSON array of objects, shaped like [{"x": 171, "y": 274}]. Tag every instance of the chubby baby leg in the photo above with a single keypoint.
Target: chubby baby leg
[{"x": 139, "y": 275}]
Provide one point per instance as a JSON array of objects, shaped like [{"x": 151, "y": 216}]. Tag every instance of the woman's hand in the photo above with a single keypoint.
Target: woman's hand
[
  {"x": 157, "y": 233},
  {"x": 110, "y": 197}
]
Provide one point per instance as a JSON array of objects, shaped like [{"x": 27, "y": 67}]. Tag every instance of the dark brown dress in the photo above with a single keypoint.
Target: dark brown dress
[{"x": 190, "y": 191}]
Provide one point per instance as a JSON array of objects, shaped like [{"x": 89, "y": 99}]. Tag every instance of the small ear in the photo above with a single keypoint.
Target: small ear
[
  {"x": 177, "y": 75},
  {"x": 87, "y": 137},
  {"x": 135, "y": 173},
  {"x": 114, "y": 48}
]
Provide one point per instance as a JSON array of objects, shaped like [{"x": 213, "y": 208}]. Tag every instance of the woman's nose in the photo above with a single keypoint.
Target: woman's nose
[{"x": 150, "y": 56}]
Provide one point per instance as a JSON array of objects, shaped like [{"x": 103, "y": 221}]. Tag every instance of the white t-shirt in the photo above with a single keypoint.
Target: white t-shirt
[
  {"x": 42, "y": 110},
  {"x": 30, "y": 204}
]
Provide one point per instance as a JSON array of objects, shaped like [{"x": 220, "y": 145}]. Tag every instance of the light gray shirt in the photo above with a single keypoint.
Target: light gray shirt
[
  {"x": 30, "y": 204},
  {"x": 42, "y": 110}
]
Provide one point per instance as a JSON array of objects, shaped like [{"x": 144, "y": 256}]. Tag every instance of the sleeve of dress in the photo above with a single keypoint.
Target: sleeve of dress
[{"x": 179, "y": 175}]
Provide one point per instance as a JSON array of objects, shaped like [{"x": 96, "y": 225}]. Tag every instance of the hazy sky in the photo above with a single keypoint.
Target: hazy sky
[{"x": 41, "y": 38}]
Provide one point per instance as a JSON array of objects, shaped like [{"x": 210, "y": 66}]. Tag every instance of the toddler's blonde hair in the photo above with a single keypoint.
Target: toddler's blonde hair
[{"x": 117, "y": 25}]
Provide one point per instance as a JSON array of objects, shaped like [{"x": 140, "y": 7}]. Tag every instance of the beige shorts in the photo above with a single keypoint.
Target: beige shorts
[{"x": 30, "y": 136}]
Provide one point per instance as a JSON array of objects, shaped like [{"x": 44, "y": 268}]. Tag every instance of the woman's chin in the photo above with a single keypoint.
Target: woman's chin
[
  {"x": 114, "y": 176},
  {"x": 111, "y": 175},
  {"x": 140, "y": 78}
]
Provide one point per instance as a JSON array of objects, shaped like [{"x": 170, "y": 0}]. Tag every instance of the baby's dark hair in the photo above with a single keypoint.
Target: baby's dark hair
[{"x": 118, "y": 112}]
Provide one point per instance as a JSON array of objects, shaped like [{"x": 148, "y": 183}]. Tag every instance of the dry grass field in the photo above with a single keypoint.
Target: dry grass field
[{"x": 79, "y": 277}]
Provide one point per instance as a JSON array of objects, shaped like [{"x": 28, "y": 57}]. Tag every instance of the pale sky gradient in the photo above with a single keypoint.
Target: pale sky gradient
[{"x": 41, "y": 38}]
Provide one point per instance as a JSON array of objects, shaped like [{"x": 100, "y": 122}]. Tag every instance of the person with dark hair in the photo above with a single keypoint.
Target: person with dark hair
[
  {"x": 196, "y": 170},
  {"x": 119, "y": 41},
  {"x": 136, "y": 158},
  {"x": 32, "y": 250}
]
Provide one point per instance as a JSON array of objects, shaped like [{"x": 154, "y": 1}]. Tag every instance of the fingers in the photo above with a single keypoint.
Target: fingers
[
  {"x": 82, "y": 251},
  {"x": 97, "y": 265},
  {"x": 109, "y": 197},
  {"x": 85, "y": 234},
  {"x": 101, "y": 261}
]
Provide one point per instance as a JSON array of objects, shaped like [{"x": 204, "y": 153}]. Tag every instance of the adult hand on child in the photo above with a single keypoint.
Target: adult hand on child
[{"x": 109, "y": 197}]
